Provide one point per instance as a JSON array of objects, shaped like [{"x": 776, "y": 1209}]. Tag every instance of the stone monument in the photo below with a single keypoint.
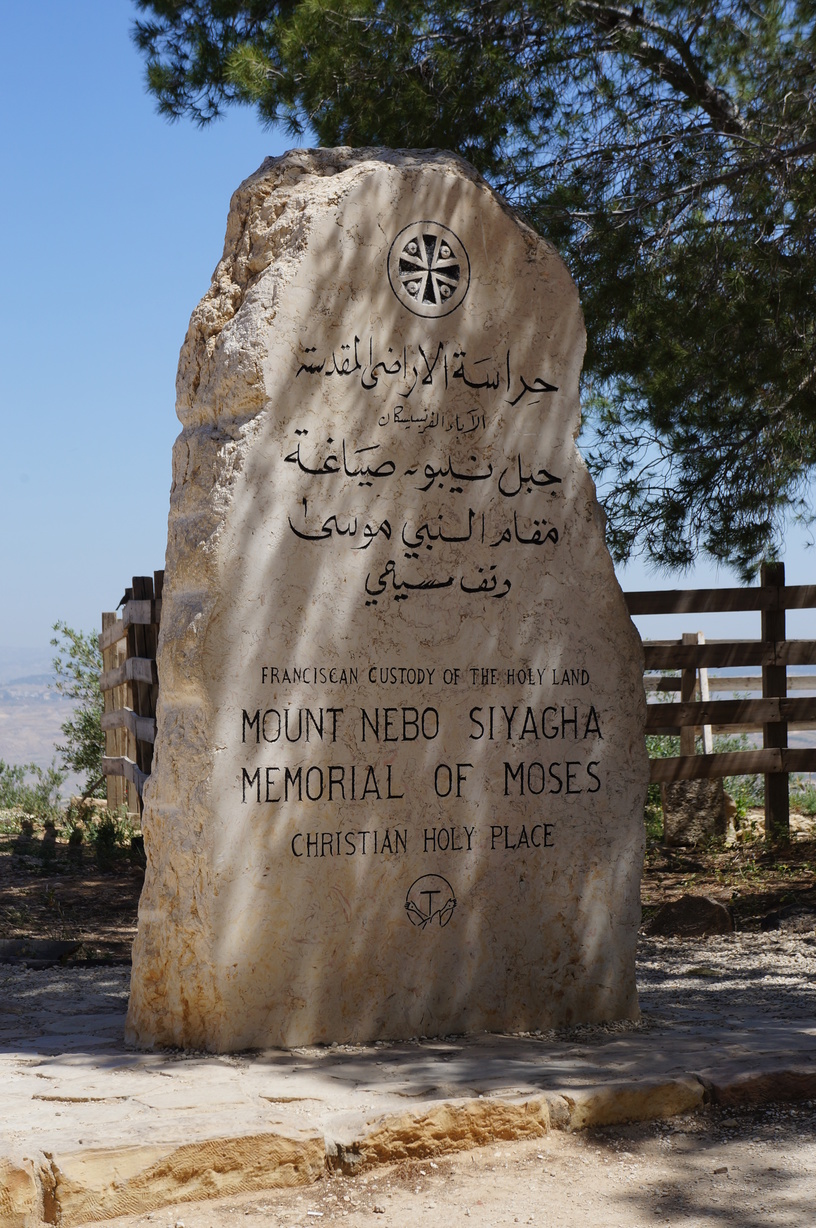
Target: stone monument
[{"x": 400, "y": 769}]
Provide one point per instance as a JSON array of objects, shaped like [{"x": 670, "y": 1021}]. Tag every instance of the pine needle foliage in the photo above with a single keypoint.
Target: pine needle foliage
[{"x": 666, "y": 148}]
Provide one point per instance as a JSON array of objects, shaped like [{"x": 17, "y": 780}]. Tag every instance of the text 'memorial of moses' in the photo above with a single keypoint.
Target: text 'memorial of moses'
[{"x": 399, "y": 769}]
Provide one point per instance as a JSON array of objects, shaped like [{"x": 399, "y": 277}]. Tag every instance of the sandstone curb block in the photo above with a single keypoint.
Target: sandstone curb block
[
  {"x": 101, "y": 1183},
  {"x": 759, "y": 1086},
  {"x": 105, "y": 1182},
  {"x": 21, "y": 1200},
  {"x": 616, "y": 1103},
  {"x": 447, "y": 1127}
]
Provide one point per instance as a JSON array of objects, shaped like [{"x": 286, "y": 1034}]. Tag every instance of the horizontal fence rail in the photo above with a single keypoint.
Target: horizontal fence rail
[
  {"x": 743, "y": 682},
  {"x": 730, "y": 713},
  {"x": 773, "y": 714},
  {"x": 723, "y": 600},
  {"x": 732, "y": 763},
  {"x": 725, "y": 654}
]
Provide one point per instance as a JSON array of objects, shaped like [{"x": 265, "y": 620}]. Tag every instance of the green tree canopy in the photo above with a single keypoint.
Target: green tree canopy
[
  {"x": 666, "y": 148},
  {"x": 77, "y": 667}
]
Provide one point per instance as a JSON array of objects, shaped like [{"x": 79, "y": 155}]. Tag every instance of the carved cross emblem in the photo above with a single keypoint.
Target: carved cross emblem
[{"x": 429, "y": 269}]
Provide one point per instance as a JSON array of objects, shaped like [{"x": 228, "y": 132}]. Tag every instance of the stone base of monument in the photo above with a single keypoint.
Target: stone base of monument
[
  {"x": 694, "y": 812},
  {"x": 72, "y": 1188},
  {"x": 112, "y": 1182}
]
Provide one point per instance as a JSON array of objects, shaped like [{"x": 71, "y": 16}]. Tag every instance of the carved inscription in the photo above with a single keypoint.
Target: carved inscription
[
  {"x": 547, "y": 749},
  {"x": 420, "y": 503},
  {"x": 454, "y": 498}
]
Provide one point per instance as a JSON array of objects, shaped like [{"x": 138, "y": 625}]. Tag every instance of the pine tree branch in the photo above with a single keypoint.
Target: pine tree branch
[
  {"x": 685, "y": 76},
  {"x": 701, "y": 185}
]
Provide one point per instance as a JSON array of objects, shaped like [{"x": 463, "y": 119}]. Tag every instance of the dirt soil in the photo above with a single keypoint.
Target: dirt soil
[
  {"x": 765, "y": 889},
  {"x": 47, "y": 894}
]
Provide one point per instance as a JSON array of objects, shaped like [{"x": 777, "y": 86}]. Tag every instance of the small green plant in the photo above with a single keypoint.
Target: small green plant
[
  {"x": 806, "y": 802},
  {"x": 48, "y": 844},
  {"x": 77, "y": 819},
  {"x": 30, "y": 789},
  {"x": 14, "y": 918},
  {"x": 803, "y": 796},
  {"x": 110, "y": 833},
  {"x": 104, "y": 841},
  {"x": 745, "y": 791},
  {"x": 76, "y": 839},
  {"x": 659, "y": 746}
]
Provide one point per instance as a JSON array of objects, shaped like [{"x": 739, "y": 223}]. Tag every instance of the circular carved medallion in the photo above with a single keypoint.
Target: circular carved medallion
[
  {"x": 429, "y": 269},
  {"x": 430, "y": 898}
]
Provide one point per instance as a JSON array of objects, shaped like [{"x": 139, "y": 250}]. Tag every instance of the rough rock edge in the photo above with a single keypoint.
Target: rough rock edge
[
  {"x": 250, "y": 232},
  {"x": 136, "y": 1180},
  {"x": 23, "y": 1186}
]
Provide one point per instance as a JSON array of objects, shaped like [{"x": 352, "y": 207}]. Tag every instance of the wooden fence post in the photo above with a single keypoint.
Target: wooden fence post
[
  {"x": 775, "y": 683},
  {"x": 705, "y": 697},
  {"x": 688, "y": 692},
  {"x": 689, "y": 681},
  {"x": 129, "y": 684},
  {"x": 114, "y": 738},
  {"x": 141, "y": 641}
]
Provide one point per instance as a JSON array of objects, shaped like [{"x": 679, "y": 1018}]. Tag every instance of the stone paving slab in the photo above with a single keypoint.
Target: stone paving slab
[{"x": 90, "y": 1129}]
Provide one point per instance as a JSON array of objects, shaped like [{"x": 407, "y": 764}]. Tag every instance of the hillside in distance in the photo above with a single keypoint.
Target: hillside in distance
[{"x": 31, "y": 711}]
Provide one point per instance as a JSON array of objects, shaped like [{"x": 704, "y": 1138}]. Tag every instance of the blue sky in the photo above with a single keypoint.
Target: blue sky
[{"x": 113, "y": 221}]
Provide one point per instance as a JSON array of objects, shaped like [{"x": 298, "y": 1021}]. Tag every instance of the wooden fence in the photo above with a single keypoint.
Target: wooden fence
[
  {"x": 130, "y": 687},
  {"x": 774, "y": 713}
]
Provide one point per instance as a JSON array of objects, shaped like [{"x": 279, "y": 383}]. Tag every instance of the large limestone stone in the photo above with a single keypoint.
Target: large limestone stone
[
  {"x": 690, "y": 916},
  {"x": 694, "y": 812},
  {"x": 400, "y": 767}
]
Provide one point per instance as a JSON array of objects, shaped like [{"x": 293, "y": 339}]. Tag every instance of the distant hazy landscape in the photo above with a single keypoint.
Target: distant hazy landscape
[{"x": 31, "y": 711}]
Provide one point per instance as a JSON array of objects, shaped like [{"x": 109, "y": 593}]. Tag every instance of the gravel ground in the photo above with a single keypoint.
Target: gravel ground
[{"x": 737, "y": 975}]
